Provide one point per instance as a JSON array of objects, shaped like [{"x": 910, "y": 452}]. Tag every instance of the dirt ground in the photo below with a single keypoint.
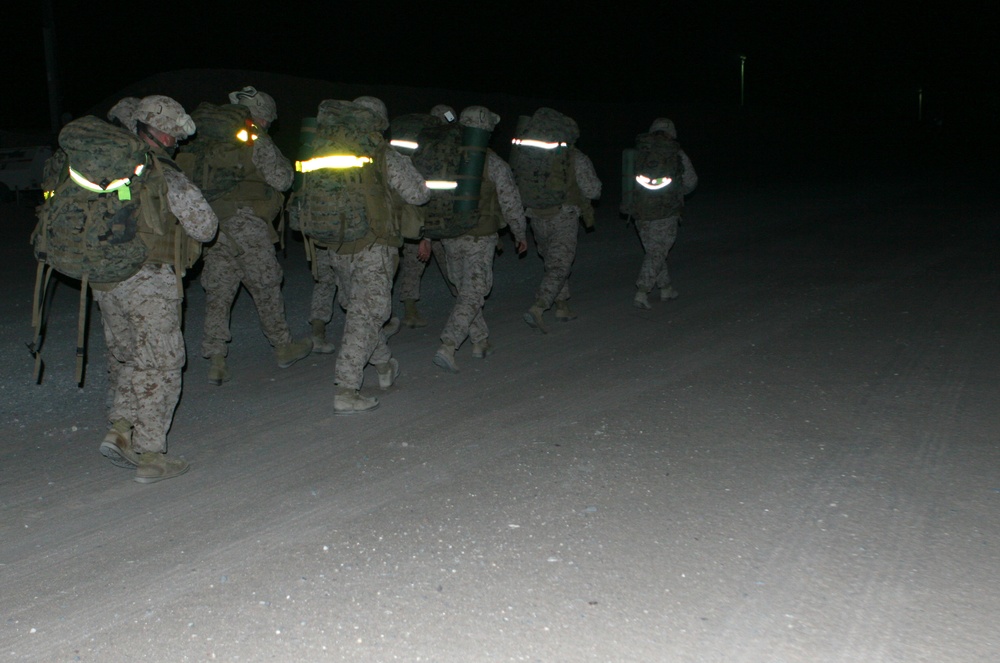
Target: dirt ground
[{"x": 797, "y": 460}]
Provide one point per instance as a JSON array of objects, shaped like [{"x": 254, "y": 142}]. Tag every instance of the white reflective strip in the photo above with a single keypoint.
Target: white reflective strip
[
  {"x": 90, "y": 186},
  {"x": 441, "y": 185},
  {"x": 528, "y": 142},
  {"x": 652, "y": 185},
  {"x": 333, "y": 161},
  {"x": 405, "y": 144}
]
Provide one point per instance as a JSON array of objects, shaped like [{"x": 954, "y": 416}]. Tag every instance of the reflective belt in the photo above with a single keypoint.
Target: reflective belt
[
  {"x": 441, "y": 185},
  {"x": 653, "y": 184},
  {"x": 337, "y": 161},
  {"x": 122, "y": 185},
  {"x": 528, "y": 142}
]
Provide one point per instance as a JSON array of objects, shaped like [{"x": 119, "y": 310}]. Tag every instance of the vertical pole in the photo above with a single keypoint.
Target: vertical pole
[
  {"x": 743, "y": 62},
  {"x": 920, "y": 105},
  {"x": 51, "y": 69}
]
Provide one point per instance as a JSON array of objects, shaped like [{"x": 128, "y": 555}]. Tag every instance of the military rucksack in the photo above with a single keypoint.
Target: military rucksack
[
  {"x": 652, "y": 177},
  {"x": 344, "y": 192},
  {"x": 541, "y": 158},
  {"x": 104, "y": 219},
  {"x": 443, "y": 160},
  {"x": 220, "y": 162}
]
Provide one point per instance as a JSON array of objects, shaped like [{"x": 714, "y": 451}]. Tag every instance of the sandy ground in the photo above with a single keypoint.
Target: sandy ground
[{"x": 797, "y": 460}]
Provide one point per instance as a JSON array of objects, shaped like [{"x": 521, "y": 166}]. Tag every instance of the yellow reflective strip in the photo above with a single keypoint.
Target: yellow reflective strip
[
  {"x": 332, "y": 161},
  {"x": 529, "y": 142}
]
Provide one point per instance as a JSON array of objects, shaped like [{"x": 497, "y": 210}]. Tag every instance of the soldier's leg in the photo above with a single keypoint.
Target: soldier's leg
[
  {"x": 559, "y": 256},
  {"x": 369, "y": 273},
  {"x": 262, "y": 276},
  {"x": 470, "y": 267},
  {"x": 220, "y": 278}
]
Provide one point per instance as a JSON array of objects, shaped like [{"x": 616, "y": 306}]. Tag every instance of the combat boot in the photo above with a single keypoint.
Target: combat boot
[
  {"x": 533, "y": 317},
  {"x": 563, "y": 312},
  {"x": 289, "y": 353},
  {"x": 482, "y": 349},
  {"x": 641, "y": 299},
  {"x": 412, "y": 318},
  {"x": 392, "y": 327},
  {"x": 387, "y": 373},
  {"x": 320, "y": 346},
  {"x": 350, "y": 401},
  {"x": 154, "y": 466},
  {"x": 445, "y": 357},
  {"x": 667, "y": 293},
  {"x": 218, "y": 372},
  {"x": 117, "y": 445}
]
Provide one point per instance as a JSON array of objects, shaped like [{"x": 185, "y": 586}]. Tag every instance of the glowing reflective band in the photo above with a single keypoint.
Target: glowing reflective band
[
  {"x": 333, "y": 161},
  {"x": 528, "y": 142},
  {"x": 441, "y": 185},
  {"x": 121, "y": 186},
  {"x": 245, "y": 135},
  {"x": 653, "y": 184},
  {"x": 405, "y": 144},
  {"x": 48, "y": 194}
]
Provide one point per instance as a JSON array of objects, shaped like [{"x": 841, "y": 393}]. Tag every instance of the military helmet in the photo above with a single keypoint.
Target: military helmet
[
  {"x": 261, "y": 104},
  {"x": 479, "y": 117},
  {"x": 123, "y": 112},
  {"x": 376, "y": 106},
  {"x": 444, "y": 112},
  {"x": 662, "y": 124},
  {"x": 166, "y": 114}
]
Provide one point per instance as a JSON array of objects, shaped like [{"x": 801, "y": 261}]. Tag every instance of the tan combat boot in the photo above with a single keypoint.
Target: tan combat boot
[
  {"x": 289, "y": 353},
  {"x": 412, "y": 317},
  {"x": 641, "y": 299},
  {"x": 482, "y": 349},
  {"x": 533, "y": 317},
  {"x": 667, "y": 293},
  {"x": 218, "y": 372},
  {"x": 445, "y": 357},
  {"x": 387, "y": 373},
  {"x": 320, "y": 346},
  {"x": 350, "y": 401},
  {"x": 563, "y": 312},
  {"x": 117, "y": 445},
  {"x": 154, "y": 466}
]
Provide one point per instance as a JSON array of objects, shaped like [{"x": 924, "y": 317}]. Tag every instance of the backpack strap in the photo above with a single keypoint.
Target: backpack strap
[
  {"x": 81, "y": 327},
  {"x": 42, "y": 277}
]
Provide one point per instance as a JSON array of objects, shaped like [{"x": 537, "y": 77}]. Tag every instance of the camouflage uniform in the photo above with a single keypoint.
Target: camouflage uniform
[
  {"x": 142, "y": 329},
  {"x": 411, "y": 269},
  {"x": 470, "y": 260},
  {"x": 555, "y": 231},
  {"x": 365, "y": 272},
  {"x": 658, "y": 235},
  {"x": 244, "y": 253}
]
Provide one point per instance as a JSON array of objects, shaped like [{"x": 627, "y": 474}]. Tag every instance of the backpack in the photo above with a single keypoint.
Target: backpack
[
  {"x": 103, "y": 220},
  {"x": 344, "y": 192},
  {"x": 541, "y": 159},
  {"x": 655, "y": 181},
  {"x": 404, "y": 131},
  {"x": 220, "y": 162},
  {"x": 443, "y": 159}
]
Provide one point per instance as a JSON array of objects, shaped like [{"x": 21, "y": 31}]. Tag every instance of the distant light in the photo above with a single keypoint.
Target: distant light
[
  {"x": 442, "y": 185},
  {"x": 653, "y": 184},
  {"x": 335, "y": 161},
  {"x": 404, "y": 144},
  {"x": 528, "y": 142},
  {"x": 246, "y": 136}
]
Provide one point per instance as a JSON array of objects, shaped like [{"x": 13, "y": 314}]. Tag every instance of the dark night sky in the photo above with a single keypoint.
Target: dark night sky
[{"x": 856, "y": 57}]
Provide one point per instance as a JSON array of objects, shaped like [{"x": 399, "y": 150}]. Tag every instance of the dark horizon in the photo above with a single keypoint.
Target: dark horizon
[{"x": 860, "y": 61}]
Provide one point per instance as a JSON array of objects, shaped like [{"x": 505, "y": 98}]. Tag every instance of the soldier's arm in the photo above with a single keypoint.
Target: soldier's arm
[
  {"x": 273, "y": 165},
  {"x": 405, "y": 179},
  {"x": 189, "y": 205},
  {"x": 690, "y": 178},
  {"x": 507, "y": 193},
  {"x": 586, "y": 176}
]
